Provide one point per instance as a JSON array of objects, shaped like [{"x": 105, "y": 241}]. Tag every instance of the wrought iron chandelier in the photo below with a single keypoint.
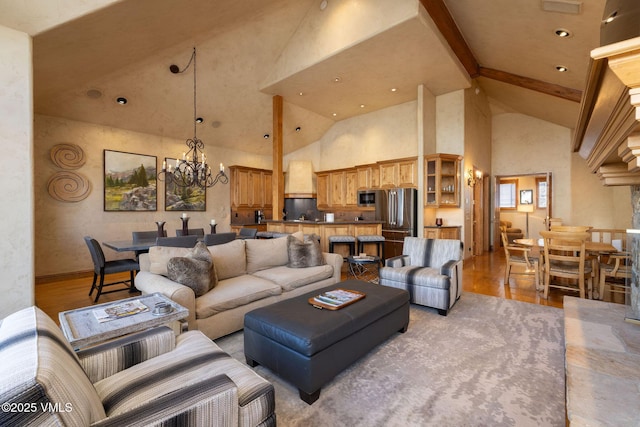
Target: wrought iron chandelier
[{"x": 192, "y": 170}]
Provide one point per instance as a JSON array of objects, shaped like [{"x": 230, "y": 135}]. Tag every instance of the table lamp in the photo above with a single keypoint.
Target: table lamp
[{"x": 526, "y": 209}]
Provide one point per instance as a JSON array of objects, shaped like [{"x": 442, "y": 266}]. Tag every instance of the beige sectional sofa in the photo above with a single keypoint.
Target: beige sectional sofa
[{"x": 250, "y": 273}]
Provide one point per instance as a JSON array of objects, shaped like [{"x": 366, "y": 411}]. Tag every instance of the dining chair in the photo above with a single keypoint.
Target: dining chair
[
  {"x": 191, "y": 232},
  {"x": 518, "y": 256},
  {"x": 219, "y": 238},
  {"x": 615, "y": 273},
  {"x": 247, "y": 233},
  {"x": 177, "y": 242},
  {"x": 565, "y": 257},
  {"x": 138, "y": 236},
  {"x": 103, "y": 267}
]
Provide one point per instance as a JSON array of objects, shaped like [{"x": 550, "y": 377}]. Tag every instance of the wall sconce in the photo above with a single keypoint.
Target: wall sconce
[{"x": 472, "y": 179}]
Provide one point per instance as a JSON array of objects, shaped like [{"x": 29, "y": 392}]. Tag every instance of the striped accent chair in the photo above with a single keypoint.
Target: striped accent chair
[
  {"x": 150, "y": 378},
  {"x": 429, "y": 269}
]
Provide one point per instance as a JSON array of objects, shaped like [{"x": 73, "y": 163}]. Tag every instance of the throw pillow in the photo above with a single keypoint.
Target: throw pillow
[
  {"x": 304, "y": 254},
  {"x": 194, "y": 270},
  {"x": 159, "y": 257}
]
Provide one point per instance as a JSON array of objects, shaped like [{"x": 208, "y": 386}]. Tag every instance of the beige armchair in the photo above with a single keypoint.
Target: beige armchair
[
  {"x": 512, "y": 233},
  {"x": 150, "y": 378}
]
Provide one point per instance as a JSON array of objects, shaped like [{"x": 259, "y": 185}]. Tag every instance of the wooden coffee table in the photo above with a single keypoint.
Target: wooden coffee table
[{"x": 82, "y": 328}]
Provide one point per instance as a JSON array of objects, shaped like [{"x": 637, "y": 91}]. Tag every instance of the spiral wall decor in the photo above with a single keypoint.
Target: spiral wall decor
[
  {"x": 67, "y": 156},
  {"x": 67, "y": 186}
]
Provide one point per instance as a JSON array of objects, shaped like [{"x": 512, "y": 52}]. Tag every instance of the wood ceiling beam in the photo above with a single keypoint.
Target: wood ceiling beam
[
  {"x": 533, "y": 84},
  {"x": 450, "y": 31},
  {"x": 448, "y": 28}
]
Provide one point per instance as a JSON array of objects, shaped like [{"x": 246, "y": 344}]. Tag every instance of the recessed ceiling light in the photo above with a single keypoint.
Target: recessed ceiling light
[
  {"x": 121, "y": 100},
  {"x": 561, "y": 68},
  {"x": 611, "y": 17},
  {"x": 361, "y": 105},
  {"x": 94, "y": 93},
  {"x": 298, "y": 129},
  {"x": 337, "y": 79},
  {"x": 266, "y": 136},
  {"x": 199, "y": 120},
  {"x": 300, "y": 93},
  {"x": 393, "y": 89},
  {"x": 334, "y": 114},
  {"x": 561, "y": 32}
]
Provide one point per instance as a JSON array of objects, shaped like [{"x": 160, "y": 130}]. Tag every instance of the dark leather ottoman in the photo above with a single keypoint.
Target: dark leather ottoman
[{"x": 308, "y": 346}]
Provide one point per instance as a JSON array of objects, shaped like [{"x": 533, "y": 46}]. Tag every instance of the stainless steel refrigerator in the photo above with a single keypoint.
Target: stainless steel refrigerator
[{"x": 398, "y": 209}]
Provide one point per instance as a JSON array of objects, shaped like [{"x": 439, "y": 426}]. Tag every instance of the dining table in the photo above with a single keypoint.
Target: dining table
[
  {"x": 599, "y": 247},
  {"x": 130, "y": 245}
]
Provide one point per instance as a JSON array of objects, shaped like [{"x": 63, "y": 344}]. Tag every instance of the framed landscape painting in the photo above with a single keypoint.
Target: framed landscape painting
[
  {"x": 129, "y": 182},
  {"x": 178, "y": 198}
]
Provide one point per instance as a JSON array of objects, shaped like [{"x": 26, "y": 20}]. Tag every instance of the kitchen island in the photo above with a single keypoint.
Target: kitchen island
[{"x": 326, "y": 229}]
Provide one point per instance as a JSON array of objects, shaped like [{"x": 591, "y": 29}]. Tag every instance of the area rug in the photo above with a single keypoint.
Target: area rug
[{"x": 490, "y": 362}]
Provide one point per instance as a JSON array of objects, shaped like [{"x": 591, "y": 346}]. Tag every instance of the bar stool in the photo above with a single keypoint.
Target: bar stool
[
  {"x": 372, "y": 238},
  {"x": 343, "y": 240}
]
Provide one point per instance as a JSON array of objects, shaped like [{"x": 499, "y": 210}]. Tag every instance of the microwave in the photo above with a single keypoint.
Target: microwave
[{"x": 366, "y": 198}]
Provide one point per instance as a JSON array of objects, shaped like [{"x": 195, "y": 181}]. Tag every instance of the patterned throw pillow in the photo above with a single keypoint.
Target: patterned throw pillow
[
  {"x": 304, "y": 254},
  {"x": 194, "y": 270}
]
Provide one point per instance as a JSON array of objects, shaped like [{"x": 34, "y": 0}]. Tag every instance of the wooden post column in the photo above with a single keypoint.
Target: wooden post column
[{"x": 278, "y": 176}]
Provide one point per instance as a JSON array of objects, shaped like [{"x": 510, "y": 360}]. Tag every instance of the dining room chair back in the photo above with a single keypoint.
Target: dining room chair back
[
  {"x": 247, "y": 233},
  {"x": 521, "y": 258},
  {"x": 219, "y": 238},
  {"x": 617, "y": 237},
  {"x": 615, "y": 274},
  {"x": 177, "y": 242},
  {"x": 565, "y": 257},
  {"x": 138, "y": 236},
  {"x": 191, "y": 232},
  {"x": 102, "y": 267}
]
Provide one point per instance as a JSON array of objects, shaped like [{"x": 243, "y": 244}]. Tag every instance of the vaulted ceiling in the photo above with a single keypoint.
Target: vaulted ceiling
[{"x": 328, "y": 63}]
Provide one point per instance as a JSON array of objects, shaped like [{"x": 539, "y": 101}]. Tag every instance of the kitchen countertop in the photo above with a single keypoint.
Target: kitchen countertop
[{"x": 298, "y": 221}]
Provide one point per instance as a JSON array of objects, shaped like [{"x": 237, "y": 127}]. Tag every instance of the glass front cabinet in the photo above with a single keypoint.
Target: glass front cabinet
[{"x": 442, "y": 180}]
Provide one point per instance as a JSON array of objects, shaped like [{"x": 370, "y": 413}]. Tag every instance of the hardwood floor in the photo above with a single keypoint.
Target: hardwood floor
[{"x": 482, "y": 274}]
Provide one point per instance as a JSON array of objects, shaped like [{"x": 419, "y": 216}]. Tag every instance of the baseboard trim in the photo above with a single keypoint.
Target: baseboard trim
[{"x": 40, "y": 280}]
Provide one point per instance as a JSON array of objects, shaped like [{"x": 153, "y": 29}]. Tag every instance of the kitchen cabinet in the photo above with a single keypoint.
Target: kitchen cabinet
[
  {"x": 336, "y": 192},
  {"x": 442, "y": 181},
  {"x": 337, "y": 189},
  {"x": 351, "y": 188},
  {"x": 250, "y": 187},
  {"x": 322, "y": 187},
  {"x": 445, "y": 232},
  {"x": 399, "y": 173}
]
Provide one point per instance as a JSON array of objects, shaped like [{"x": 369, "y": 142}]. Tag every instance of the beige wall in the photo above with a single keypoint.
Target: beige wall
[
  {"x": 390, "y": 133},
  {"x": 16, "y": 173},
  {"x": 524, "y": 145},
  {"x": 60, "y": 226}
]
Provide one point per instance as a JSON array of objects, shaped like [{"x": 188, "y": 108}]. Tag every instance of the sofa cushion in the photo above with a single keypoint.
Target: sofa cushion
[
  {"x": 234, "y": 292},
  {"x": 304, "y": 254},
  {"x": 416, "y": 276},
  {"x": 159, "y": 257},
  {"x": 229, "y": 259},
  {"x": 39, "y": 367},
  {"x": 268, "y": 253},
  {"x": 194, "y": 270},
  {"x": 291, "y": 278}
]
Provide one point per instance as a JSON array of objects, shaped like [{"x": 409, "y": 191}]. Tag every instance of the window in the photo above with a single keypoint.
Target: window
[
  {"x": 508, "y": 191},
  {"x": 541, "y": 185}
]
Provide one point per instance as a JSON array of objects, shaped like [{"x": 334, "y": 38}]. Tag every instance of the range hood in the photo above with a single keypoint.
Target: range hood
[{"x": 300, "y": 181}]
